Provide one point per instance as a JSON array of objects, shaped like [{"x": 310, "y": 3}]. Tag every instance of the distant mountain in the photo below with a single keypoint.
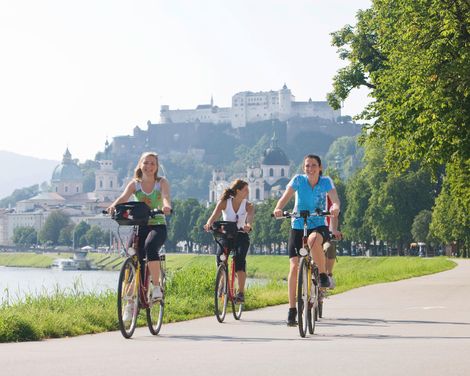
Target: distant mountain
[{"x": 19, "y": 171}]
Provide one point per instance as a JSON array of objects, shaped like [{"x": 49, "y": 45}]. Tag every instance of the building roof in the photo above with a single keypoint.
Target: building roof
[
  {"x": 67, "y": 170},
  {"x": 204, "y": 107},
  {"x": 274, "y": 155},
  {"x": 43, "y": 196}
]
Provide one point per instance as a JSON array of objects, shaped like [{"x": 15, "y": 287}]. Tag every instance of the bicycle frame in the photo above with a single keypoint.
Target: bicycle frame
[{"x": 230, "y": 271}]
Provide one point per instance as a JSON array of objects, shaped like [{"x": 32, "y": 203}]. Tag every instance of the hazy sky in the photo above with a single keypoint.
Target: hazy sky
[{"x": 73, "y": 73}]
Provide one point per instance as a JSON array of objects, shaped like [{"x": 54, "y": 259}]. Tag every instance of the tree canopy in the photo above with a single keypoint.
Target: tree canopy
[{"x": 415, "y": 58}]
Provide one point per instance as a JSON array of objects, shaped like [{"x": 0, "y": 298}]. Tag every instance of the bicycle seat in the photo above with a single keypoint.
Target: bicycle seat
[{"x": 132, "y": 213}]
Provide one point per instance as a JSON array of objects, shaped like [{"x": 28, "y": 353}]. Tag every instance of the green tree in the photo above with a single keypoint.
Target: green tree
[
  {"x": 450, "y": 219},
  {"x": 184, "y": 218},
  {"x": 356, "y": 225},
  {"x": 65, "y": 236},
  {"x": 53, "y": 225},
  {"x": 198, "y": 234},
  {"x": 78, "y": 234},
  {"x": 344, "y": 155},
  {"x": 415, "y": 58},
  {"x": 396, "y": 203},
  {"x": 25, "y": 236},
  {"x": 420, "y": 226},
  {"x": 95, "y": 236},
  {"x": 268, "y": 232}
]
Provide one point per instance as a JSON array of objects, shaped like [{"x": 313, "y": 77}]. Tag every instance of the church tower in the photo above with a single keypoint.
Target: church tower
[{"x": 106, "y": 178}]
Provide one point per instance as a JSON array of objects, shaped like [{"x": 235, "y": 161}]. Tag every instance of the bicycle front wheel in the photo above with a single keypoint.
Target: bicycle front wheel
[
  {"x": 221, "y": 293},
  {"x": 303, "y": 296},
  {"x": 321, "y": 296},
  {"x": 155, "y": 309},
  {"x": 127, "y": 298},
  {"x": 237, "y": 306},
  {"x": 313, "y": 303}
]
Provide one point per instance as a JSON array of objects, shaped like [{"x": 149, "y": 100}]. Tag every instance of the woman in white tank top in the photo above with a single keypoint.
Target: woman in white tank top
[{"x": 234, "y": 207}]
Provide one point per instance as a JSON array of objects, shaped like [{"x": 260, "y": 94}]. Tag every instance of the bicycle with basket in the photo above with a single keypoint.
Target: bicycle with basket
[{"x": 135, "y": 285}]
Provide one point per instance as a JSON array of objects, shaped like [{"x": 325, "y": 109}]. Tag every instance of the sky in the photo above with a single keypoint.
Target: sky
[{"x": 76, "y": 73}]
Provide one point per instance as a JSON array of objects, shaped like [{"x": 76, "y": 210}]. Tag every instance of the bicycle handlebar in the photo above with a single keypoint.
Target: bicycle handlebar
[
  {"x": 152, "y": 212},
  {"x": 304, "y": 214}
]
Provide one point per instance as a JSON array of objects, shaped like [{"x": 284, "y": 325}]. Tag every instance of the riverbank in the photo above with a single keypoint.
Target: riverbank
[
  {"x": 190, "y": 294},
  {"x": 44, "y": 260}
]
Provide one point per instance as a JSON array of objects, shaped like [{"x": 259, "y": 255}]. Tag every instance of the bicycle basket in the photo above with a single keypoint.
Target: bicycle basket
[
  {"x": 224, "y": 230},
  {"x": 132, "y": 213}
]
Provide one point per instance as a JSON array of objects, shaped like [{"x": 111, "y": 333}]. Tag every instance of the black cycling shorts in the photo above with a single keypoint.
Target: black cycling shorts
[{"x": 295, "y": 239}]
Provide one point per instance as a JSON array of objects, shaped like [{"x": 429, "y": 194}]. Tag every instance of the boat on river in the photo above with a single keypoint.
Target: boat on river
[{"x": 65, "y": 264}]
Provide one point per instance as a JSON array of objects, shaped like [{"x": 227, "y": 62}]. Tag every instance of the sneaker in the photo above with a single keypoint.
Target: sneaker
[
  {"x": 291, "y": 317},
  {"x": 324, "y": 281},
  {"x": 240, "y": 298},
  {"x": 332, "y": 281},
  {"x": 128, "y": 311},
  {"x": 157, "y": 293}
]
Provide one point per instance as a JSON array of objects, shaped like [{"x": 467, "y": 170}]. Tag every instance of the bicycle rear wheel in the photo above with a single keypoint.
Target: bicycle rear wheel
[
  {"x": 156, "y": 309},
  {"x": 127, "y": 298},
  {"x": 221, "y": 293},
  {"x": 237, "y": 307},
  {"x": 302, "y": 297}
]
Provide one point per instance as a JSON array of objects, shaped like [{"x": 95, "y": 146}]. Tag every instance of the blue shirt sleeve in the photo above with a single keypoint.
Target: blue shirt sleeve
[
  {"x": 329, "y": 185},
  {"x": 294, "y": 183}
]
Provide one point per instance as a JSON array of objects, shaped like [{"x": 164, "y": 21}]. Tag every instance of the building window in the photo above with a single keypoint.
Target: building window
[
  {"x": 66, "y": 189},
  {"x": 101, "y": 183},
  {"x": 111, "y": 184},
  {"x": 78, "y": 189},
  {"x": 271, "y": 172},
  {"x": 282, "y": 172},
  {"x": 257, "y": 194}
]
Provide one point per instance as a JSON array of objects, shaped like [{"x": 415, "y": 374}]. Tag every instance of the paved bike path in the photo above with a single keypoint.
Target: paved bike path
[{"x": 419, "y": 326}]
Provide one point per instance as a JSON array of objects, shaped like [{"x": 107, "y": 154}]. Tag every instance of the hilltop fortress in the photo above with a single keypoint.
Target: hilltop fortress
[
  {"x": 208, "y": 131},
  {"x": 249, "y": 107}
]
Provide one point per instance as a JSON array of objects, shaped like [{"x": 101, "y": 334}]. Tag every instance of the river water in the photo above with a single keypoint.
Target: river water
[{"x": 17, "y": 283}]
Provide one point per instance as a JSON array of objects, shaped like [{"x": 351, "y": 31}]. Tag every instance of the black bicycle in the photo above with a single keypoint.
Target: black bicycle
[
  {"x": 226, "y": 280},
  {"x": 135, "y": 284}
]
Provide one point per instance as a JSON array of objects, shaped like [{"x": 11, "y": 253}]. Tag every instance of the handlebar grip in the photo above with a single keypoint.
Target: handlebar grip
[
  {"x": 158, "y": 211},
  {"x": 285, "y": 214}
]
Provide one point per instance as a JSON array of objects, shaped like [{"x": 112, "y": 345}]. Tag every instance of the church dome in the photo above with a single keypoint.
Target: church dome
[
  {"x": 274, "y": 155},
  {"x": 67, "y": 170}
]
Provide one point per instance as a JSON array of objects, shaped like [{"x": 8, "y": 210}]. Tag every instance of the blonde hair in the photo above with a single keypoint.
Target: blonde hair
[
  {"x": 237, "y": 185},
  {"x": 138, "y": 169}
]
